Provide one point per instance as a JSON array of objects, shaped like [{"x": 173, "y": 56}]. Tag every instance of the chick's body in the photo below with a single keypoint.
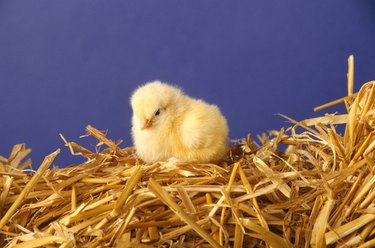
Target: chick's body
[{"x": 166, "y": 123}]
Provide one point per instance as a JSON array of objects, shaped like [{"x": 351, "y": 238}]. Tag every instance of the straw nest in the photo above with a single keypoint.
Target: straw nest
[{"x": 317, "y": 192}]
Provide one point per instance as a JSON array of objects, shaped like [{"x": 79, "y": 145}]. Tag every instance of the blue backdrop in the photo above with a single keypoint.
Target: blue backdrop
[{"x": 66, "y": 64}]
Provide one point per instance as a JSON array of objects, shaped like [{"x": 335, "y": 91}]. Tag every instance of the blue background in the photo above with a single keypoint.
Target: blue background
[{"x": 66, "y": 64}]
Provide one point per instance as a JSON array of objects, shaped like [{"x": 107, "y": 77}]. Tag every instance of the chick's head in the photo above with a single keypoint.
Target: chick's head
[{"x": 154, "y": 104}]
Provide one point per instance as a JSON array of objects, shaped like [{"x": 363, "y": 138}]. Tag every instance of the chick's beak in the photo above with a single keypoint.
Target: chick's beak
[{"x": 146, "y": 124}]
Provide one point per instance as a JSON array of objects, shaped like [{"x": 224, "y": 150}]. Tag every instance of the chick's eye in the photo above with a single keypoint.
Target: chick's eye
[{"x": 157, "y": 112}]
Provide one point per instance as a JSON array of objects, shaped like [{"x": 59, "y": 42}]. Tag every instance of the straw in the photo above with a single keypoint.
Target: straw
[{"x": 305, "y": 185}]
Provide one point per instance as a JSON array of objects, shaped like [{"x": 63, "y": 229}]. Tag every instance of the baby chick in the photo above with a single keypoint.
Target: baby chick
[{"x": 166, "y": 123}]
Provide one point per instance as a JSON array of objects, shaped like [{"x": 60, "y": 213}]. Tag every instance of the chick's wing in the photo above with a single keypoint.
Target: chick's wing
[{"x": 199, "y": 124}]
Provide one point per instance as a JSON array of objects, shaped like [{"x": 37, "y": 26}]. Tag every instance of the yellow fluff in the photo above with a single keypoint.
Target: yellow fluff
[{"x": 166, "y": 123}]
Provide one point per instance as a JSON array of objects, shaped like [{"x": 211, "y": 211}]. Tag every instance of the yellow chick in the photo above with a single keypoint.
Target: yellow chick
[{"x": 166, "y": 123}]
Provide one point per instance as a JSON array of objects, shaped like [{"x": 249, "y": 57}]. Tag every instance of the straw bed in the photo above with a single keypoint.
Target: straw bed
[{"x": 318, "y": 192}]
